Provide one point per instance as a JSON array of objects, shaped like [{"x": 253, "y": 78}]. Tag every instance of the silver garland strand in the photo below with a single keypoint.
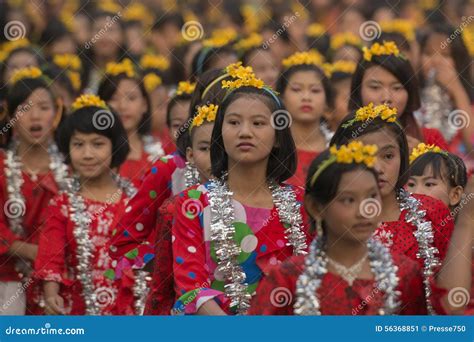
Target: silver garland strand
[
  {"x": 82, "y": 219},
  {"x": 385, "y": 272},
  {"x": 140, "y": 290},
  {"x": 153, "y": 148},
  {"x": 16, "y": 200},
  {"x": 425, "y": 237},
  {"x": 191, "y": 175},
  {"x": 223, "y": 231}
]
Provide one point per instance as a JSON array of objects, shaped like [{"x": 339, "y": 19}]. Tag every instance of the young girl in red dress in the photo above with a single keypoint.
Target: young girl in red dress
[
  {"x": 31, "y": 173},
  {"x": 347, "y": 271},
  {"x": 125, "y": 93},
  {"x": 414, "y": 225},
  {"x": 307, "y": 94},
  {"x": 72, "y": 261},
  {"x": 385, "y": 76},
  {"x": 229, "y": 231}
]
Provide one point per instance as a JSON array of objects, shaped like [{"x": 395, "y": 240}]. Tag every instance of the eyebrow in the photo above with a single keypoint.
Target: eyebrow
[
  {"x": 253, "y": 116},
  {"x": 386, "y": 147}
]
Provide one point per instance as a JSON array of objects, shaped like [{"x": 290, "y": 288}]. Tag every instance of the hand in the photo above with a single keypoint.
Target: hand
[
  {"x": 412, "y": 143},
  {"x": 54, "y": 305}
]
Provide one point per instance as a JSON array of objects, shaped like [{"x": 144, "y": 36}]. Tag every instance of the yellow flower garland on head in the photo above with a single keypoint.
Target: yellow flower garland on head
[
  {"x": 220, "y": 38},
  {"x": 123, "y": 67},
  {"x": 345, "y": 38},
  {"x": 7, "y": 47},
  {"x": 185, "y": 87},
  {"x": 207, "y": 112},
  {"x": 354, "y": 152},
  {"x": 311, "y": 57},
  {"x": 423, "y": 148},
  {"x": 150, "y": 61},
  {"x": 20, "y": 74},
  {"x": 68, "y": 61},
  {"x": 385, "y": 49},
  {"x": 371, "y": 112},
  {"x": 252, "y": 41},
  {"x": 151, "y": 81},
  {"x": 75, "y": 79},
  {"x": 401, "y": 26},
  {"x": 88, "y": 100},
  {"x": 315, "y": 30},
  {"x": 346, "y": 67}
]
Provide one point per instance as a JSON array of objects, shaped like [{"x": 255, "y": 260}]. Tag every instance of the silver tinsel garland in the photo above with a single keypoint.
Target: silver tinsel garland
[
  {"x": 153, "y": 148},
  {"x": 223, "y": 232},
  {"x": 191, "y": 175},
  {"x": 309, "y": 282},
  {"x": 82, "y": 219},
  {"x": 425, "y": 237},
  {"x": 140, "y": 290}
]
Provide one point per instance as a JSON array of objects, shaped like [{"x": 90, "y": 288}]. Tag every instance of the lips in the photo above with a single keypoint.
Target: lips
[
  {"x": 363, "y": 226},
  {"x": 245, "y": 145},
  {"x": 306, "y": 108},
  {"x": 36, "y": 130}
]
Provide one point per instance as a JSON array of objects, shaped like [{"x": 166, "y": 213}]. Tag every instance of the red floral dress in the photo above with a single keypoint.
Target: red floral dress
[
  {"x": 58, "y": 260},
  {"x": 36, "y": 193},
  {"x": 432, "y": 136},
  {"x": 258, "y": 232},
  {"x": 276, "y": 295}
]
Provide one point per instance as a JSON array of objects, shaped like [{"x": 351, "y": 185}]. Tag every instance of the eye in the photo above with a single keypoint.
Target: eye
[
  {"x": 347, "y": 200},
  {"x": 374, "y": 86},
  {"x": 98, "y": 143},
  {"x": 430, "y": 184},
  {"x": 295, "y": 89},
  {"x": 233, "y": 122},
  {"x": 76, "y": 144},
  {"x": 410, "y": 184},
  {"x": 398, "y": 87},
  {"x": 388, "y": 156},
  {"x": 259, "y": 123},
  {"x": 204, "y": 149}
]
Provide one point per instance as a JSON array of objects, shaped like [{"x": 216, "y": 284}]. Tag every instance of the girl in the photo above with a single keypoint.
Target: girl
[
  {"x": 307, "y": 95},
  {"x": 161, "y": 297},
  {"x": 231, "y": 229},
  {"x": 31, "y": 173},
  {"x": 386, "y": 76},
  {"x": 18, "y": 54},
  {"x": 341, "y": 186},
  {"x": 125, "y": 93},
  {"x": 72, "y": 258},
  {"x": 413, "y": 225},
  {"x": 213, "y": 55},
  {"x": 346, "y": 47}
]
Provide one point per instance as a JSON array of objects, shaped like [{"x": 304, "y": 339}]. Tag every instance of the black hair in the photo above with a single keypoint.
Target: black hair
[
  {"x": 177, "y": 67},
  {"x": 282, "y": 161},
  {"x": 108, "y": 86},
  {"x": 285, "y": 76},
  {"x": 60, "y": 76},
  {"x": 351, "y": 131},
  {"x": 454, "y": 168},
  {"x": 54, "y": 31},
  {"x": 206, "y": 56},
  {"x": 322, "y": 43},
  {"x": 164, "y": 19},
  {"x": 85, "y": 120},
  {"x": 401, "y": 68},
  {"x": 245, "y": 58}
]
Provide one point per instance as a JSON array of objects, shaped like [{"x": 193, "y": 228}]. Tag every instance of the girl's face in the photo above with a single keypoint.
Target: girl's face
[
  {"x": 91, "y": 154},
  {"x": 34, "y": 118},
  {"x": 159, "y": 101},
  {"x": 19, "y": 60},
  {"x": 247, "y": 131},
  {"x": 264, "y": 66},
  {"x": 305, "y": 97},
  {"x": 222, "y": 60},
  {"x": 432, "y": 51},
  {"x": 430, "y": 185},
  {"x": 381, "y": 86},
  {"x": 134, "y": 39},
  {"x": 347, "y": 53},
  {"x": 64, "y": 45},
  {"x": 129, "y": 103},
  {"x": 343, "y": 216},
  {"x": 108, "y": 45},
  {"x": 341, "y": 102},
  {"x": 178, "y": 116},
  {"x": 388, "y": 160},
  {"x": 199, "y": 153}
]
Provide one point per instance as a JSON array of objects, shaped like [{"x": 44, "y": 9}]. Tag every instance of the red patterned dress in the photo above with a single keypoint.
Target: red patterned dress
[{"x": 304, "y": 160}]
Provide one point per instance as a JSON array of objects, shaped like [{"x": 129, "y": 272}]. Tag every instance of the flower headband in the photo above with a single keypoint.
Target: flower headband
[
  {"x": 159, "y": 62},
  {"x": 20, "y": 74},
  {"x": 311, "y": 57},
  {"x": 68, "y": 61},
  {"x": 315, "y": 30},
  {"x": 423, "y": 148},
  {"x": 151, "y": 81},
  {"x": 252, "y": 41},
  {"x": 401, "y": 26},
  {"x": 369, "y": 113},
  {"x": 385, "y": 49},
  {"x": 220, "y": 38},
  {"x": 355, "y": 152},
  {"x": 207, "y": 112},
  {"x": 124, "y": 67},
  {"x": 88, "y": 100},
  {"x": 185, "y": 87},
  {"x": 346, "y": 67},
  {"x": 345, "y": 38}
]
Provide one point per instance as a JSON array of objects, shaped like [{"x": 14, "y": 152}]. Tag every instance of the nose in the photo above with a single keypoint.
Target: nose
[
  {"x": 245, "y": 130},
  {"x": 387, "y": 97},
  {"x": 378, "y": 168}
]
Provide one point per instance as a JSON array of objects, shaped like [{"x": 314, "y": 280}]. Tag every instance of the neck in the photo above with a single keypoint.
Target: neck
[
  {"x": 307, "y": 137},
  {"x": 135, "y": 142},
  {"x": 32, "y": 153},
  {"x": 345, "y": 252},
  {"x": 390, "y": 208},
  {"x": 103, "y": 181},
  {"x": 245, "y": 179}
]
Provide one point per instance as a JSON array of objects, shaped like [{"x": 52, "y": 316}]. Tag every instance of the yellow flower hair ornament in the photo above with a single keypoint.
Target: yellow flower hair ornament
[
  {"x": 252, "y": 41},
  {"x": 346, "y": 67},
  {"x": 159, "y": 62},
  {"x": 371, "y": 112},
  {"x": 68, "y": 61},
  {"x": 204, "y": 113},
  {"x": 242, "y": 77},
  {"x": 423, "y": 148},
  {"x": 345, "y": 38},
  {"x": 75, "y": 79},
  {"x": 401, "y": 26},
  {"x": 20, "y": 74},
  {"x": 151, "y": 81},
  {"x": 185, "y": 87},
  {"x": 311, "y": 57},
  {"x": 315, "y": 30},
  {"x": 385, "y": 49},
  {"x": 354, "y": 152},
  {"x": 88, "y": 100},
  {"x": 124, "y": 67}
]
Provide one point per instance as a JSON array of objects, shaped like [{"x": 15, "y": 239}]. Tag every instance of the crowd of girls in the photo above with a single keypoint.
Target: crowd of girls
[{"x": 248, "y": 170}]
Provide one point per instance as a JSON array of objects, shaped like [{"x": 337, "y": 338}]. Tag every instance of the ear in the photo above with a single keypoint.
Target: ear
[
  {"x": 189, "y": 155},
  {"x": 455, "y": 195},
  {"x": 59, "y": 112},
  {"x": 312, "y": 208}
]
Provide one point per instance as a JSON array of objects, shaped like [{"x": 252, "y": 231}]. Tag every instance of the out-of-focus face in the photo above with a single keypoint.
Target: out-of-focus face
[
  {"x": 19, "y": 60},
  {"x": 65, "y": 45},
  {"x": 200, "y": 152},
  {"x": 179, "y": 114},
  {"x": 264, "y": 65},
  {"x": 107, "y": 45}
]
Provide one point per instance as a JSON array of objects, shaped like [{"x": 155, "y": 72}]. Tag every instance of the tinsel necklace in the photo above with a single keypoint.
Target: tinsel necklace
[
  {"x": 309, "y": 282},
  {"x": 82, "y": 219},
  {"x": 223, "y": 231},
  {"x": 153, "y": 148},
  {"x": 424, "y": 236}
]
